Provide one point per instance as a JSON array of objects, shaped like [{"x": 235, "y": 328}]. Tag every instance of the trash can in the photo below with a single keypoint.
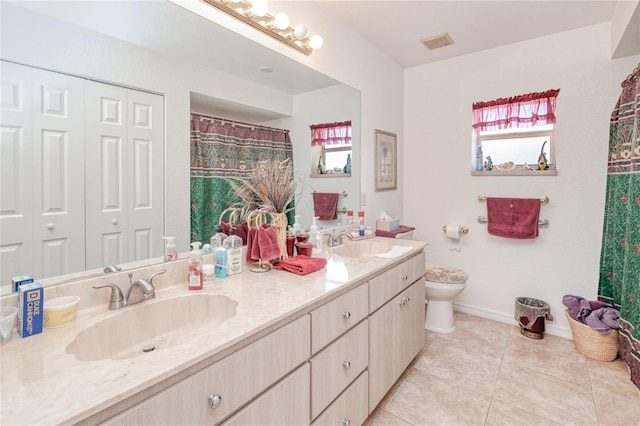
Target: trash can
[{"x": 531, "y": 314}]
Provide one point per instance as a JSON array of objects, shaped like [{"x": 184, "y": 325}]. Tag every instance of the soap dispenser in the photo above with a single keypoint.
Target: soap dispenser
[
  {"x": 195, "y": 267},
  {"x": 170, "y": 251},
  {"x": 313, "y": 231},
  {"x": 296, "y": 225}
]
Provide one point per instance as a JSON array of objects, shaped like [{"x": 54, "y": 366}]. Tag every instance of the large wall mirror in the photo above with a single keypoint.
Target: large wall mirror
[{"x": 194, "y": 65}]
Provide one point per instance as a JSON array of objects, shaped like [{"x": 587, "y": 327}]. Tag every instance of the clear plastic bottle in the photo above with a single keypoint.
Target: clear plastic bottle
[
  {"x": 313, "y": 231},
  {"x": 218, "y": 238},
  {"x": 361, "y": 223},
  {"x": 233, "y": 245},
  {"x": 221, "y": 262},
  {"x": 170, "y": 251},
  {"x": 195, "y": 267}
]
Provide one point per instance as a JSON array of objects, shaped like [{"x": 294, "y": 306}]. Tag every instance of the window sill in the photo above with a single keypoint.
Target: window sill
[
  {"x": 516, "y": 172},
  {"x": 331, "y": 175}
]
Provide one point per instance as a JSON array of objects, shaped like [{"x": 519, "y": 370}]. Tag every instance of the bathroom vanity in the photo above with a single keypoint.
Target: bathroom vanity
[{"x": 323, "y": 348}]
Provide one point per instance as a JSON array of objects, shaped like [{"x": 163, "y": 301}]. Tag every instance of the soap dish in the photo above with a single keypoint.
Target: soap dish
[{"x": 60, "y": 311}]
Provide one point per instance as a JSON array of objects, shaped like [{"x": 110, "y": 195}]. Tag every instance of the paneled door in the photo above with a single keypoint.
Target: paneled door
[
  {"x": 124, "y": 160},
  {"x": 42, "y": 176}
]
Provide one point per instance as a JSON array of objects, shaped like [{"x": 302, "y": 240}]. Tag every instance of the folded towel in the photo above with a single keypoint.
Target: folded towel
[
  {"x": 301, "y": 264},
  {"x": 515, "y": 218},
  {"x": 603, "y": 320},
  {"x": 396, "y": 251},
  {"x": 325, "y": 205},
  {"x": 392, "y": 234}
]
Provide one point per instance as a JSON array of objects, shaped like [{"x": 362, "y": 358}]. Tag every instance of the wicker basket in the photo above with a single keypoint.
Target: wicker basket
[{"x": 592, "y": 344}]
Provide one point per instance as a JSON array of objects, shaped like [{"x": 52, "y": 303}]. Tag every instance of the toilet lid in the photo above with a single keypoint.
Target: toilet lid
[{"x": 445, "y": 274}]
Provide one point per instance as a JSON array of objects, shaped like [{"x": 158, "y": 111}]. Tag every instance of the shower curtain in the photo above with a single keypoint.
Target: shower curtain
[
  {"x": 620, "y": 257},
  {"x": 221, "y": 149}
]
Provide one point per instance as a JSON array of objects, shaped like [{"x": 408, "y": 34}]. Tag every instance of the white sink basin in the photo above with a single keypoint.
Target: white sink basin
[
  {"x": 132, "y": 331},
  {"x": 359, "y": 249}
]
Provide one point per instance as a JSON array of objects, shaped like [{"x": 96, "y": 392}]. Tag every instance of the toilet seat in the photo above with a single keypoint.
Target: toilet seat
[{"x": 445, "y": 275}]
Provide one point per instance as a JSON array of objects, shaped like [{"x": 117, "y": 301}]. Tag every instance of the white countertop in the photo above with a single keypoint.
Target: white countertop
[{"x": 41, "y": 383}]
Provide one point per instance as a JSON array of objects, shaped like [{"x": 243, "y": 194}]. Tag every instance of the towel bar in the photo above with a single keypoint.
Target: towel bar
[
  {"x": 343, "y": 194},
  {"x": 542, "y": 223},
  {"x": 543, "y": 200}
]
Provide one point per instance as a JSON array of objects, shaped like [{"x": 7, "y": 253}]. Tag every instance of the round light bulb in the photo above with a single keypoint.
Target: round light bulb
[
  {"x": 299, "y": 32},
  {"x": 259, "y": 7},
  {"x": 315, "y": 42},
  {"x": 281, "y": 21}
]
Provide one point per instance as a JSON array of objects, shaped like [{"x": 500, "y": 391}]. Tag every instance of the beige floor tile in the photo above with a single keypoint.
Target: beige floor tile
[
  {"x": 448, "y": 360},
  {"x": 562, "y": 401},
  {"x": 552, "y": 355},
  {"x": 617, "y": 399},
  {"x": 502, "y": 414},
  {"x": 423, "y": 399},
  {"x": 382, "y": 418}
]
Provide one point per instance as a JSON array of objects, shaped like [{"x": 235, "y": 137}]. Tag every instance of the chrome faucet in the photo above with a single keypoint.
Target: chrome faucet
[
  {"x": 112, "y": 268},
  {"x": 337, "y": 240},
  {"x": 118, "y": 300}
]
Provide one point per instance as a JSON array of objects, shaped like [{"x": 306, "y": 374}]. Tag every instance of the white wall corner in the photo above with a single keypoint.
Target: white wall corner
[{"x": 625, "y": 29}]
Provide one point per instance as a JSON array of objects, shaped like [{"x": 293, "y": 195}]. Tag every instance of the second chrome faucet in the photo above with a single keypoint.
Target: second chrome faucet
[{"x": 119, "y": 300}]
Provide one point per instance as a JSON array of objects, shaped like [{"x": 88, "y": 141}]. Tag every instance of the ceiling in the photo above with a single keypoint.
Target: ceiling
[{"x": 396, "y": 27}]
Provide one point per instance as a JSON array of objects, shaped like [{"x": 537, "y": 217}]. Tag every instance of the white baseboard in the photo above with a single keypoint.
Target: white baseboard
[{"x": 550, "y": 328}]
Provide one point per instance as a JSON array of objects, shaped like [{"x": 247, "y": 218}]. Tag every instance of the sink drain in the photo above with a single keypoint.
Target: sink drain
[{"x": 149, "y": 348}]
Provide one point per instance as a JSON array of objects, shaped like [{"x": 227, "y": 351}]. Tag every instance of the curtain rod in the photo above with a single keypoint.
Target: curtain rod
[{"x": 239, "y": 123}]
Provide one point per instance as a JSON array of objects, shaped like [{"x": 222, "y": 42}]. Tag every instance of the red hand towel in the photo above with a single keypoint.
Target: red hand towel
[
  {"x": 325, "y": 205},
  {"x": 253, "y": 252},
  {"x": 268, "y": 243},
  {"x": 302, "y": 264},
  {"x": 392, "y": 234},
  {"x": 515, "y": 218}
]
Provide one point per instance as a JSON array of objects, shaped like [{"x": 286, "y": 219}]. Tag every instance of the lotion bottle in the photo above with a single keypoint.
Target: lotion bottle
[
  {"x": 221, "y": 262},
  {"x": 170, "y": 251},
  {"x": 218, "y": 238},
  {"x": 313, "y": 230},
  {"x": 195, "y": 267},
  {"x": 233, "y": 244}
]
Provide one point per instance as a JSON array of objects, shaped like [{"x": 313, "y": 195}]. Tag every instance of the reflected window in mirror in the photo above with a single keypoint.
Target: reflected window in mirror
[{"x": 331, "y": 149}]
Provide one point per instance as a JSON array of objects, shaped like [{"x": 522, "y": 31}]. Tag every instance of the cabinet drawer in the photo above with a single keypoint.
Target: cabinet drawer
[
  {"x": 287, "y": 403},
  {"x": 334, "y": 318},
  {"x": 351, "y": 407},
  {"x": 236, "y": 379},
  {"x": 389, "y": 283},
  {"x": 338, "y": 365}
]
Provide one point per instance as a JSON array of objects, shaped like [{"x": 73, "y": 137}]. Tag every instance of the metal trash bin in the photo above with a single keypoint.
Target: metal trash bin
[{"x": 531, "y": 314}]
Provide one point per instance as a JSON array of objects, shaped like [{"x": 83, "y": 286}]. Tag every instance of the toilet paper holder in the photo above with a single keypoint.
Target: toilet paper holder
[{"x": 462, "y": 229}]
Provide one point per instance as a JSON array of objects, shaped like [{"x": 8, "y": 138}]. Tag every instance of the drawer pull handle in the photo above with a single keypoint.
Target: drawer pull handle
[
  {"x": 402, "y": 302},
  {"x": 215, "y": 400},
  {"x": 346, "y": 422},
  {"x": 406, "y": 300},
  {"x": 346, "y": 364},
  {"x": 346, "y": 314},
  {"x": 404, "y": 277}
]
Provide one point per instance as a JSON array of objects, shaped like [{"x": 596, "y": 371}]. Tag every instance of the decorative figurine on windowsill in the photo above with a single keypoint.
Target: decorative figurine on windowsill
[
  {"x": 489, "y": 166},
  {"x": 542, "y": 159}
]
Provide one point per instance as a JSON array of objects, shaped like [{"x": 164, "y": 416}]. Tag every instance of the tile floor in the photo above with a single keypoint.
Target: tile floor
[{"x": 487, "y": 373}]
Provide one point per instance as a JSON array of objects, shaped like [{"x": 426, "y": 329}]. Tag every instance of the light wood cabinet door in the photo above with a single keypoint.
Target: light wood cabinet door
[
  {"x": 350, "y": 408},
  {"x": 396, "y": 335},
  {"x": 287, "y": 403},
  {"x": 235, "y": 380},
  {"x": 383, "y": 287},
  {"x": 333, "y": 369},
  {"x": 337, "y": 316}
]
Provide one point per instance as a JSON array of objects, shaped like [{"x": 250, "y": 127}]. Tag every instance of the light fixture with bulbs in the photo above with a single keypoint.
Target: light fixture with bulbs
[{"x": 256, "y": 14}]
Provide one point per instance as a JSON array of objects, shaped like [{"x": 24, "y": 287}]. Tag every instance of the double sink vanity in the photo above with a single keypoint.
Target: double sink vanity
[{"x": 254, "y": 348}]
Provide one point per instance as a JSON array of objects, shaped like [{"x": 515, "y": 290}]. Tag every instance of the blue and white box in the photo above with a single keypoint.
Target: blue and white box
[
  {"x": 30, "y": 309},
  {"x": 19, "y": 280}
]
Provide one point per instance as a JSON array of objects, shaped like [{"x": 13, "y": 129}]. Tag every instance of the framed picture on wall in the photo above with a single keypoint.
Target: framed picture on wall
[{"x": 385, "y": 161}]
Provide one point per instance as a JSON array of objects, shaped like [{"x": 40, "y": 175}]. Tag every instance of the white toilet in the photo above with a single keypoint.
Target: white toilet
[{"x": 441, "y": 285}]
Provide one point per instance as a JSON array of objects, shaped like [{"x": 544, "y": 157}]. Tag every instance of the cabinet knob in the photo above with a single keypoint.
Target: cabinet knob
[
  {"x": 346, "y": 314},
  {"x": 404, "y": 277},
  {"x": 402, "y": 302},
  {"x": 406, "y": 299},
  {"x": 215, "y": 400},
  {"x": 114, "y": 221},
  {"x": 346, "y": 422},
  {"x": 50, "y": 226},
  {"x": 346, "y": 364}
]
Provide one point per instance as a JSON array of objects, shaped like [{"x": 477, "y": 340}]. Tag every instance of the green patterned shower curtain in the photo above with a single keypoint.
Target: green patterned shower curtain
[
  {"x": 620, "y": 256},
  {"x": 222, "y": 149}
]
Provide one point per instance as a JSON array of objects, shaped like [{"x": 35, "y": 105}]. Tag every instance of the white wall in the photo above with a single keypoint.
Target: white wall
[{"x": 439, "y": 189}]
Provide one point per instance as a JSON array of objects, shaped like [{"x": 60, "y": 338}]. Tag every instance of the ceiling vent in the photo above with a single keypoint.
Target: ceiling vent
[{"x": 438, "y": 41}]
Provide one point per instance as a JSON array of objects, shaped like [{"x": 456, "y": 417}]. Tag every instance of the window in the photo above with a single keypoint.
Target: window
[
  {"x": 331, "y": 149},
  {"x": 515, "y": 133}
]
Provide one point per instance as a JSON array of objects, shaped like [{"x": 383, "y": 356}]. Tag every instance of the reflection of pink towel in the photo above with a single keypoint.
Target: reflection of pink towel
[
  {"x": 325, "y": 205},
  {"x": 392, "y": 234},
  {"x": 515, "y": 218},
  {"x": 268, "y": 243},
  {"x": 302, "y": 264}
]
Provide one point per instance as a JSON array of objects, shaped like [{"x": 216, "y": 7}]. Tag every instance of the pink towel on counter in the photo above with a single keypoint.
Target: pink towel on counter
[
  {"x": 392, "y": 234},
  {"x": 515, "y": 218},
  {"x": 325, "y": 205},
  {"x": 301, "y": 264}
]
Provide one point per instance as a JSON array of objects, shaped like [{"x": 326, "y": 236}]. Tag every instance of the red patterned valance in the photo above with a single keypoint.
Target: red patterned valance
[
  {"x": 338, "y": 133},
  {"x": 523, "y": 111}
]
